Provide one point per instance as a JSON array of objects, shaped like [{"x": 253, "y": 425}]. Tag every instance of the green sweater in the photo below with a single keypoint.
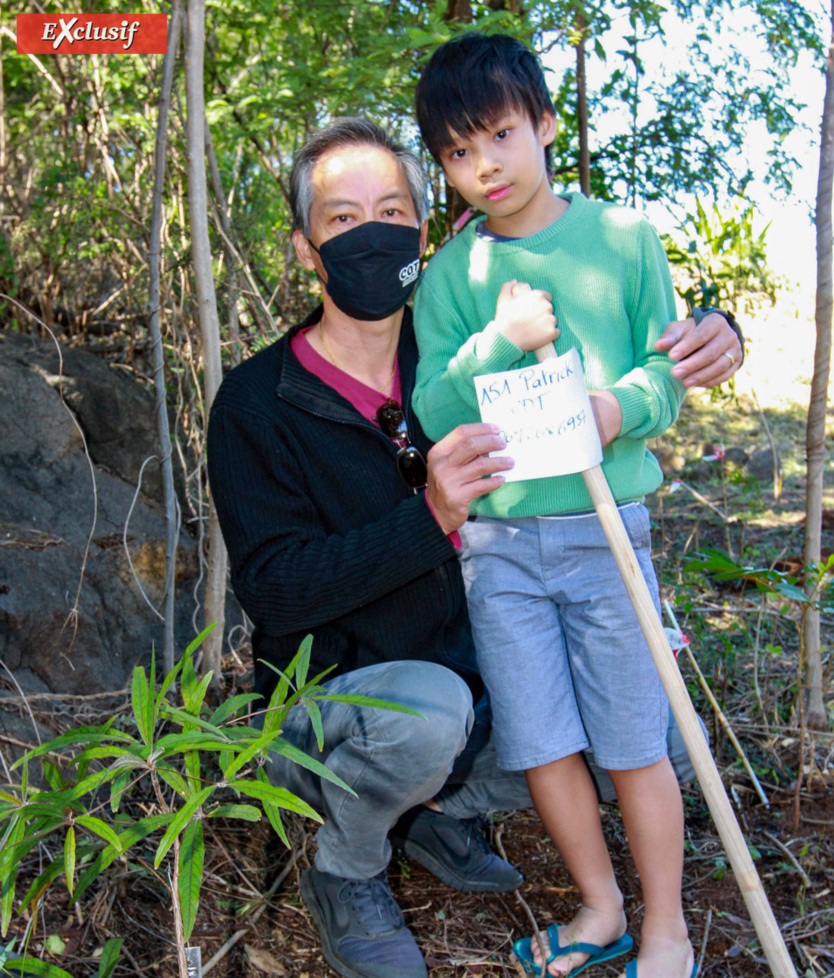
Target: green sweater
[{"x": 613, "y": 296}]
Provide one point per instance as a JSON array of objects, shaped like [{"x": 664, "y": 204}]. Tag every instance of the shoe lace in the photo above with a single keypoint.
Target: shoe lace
[
  {"x": 476, "y": 829},
  {"x": 374, "y": 905}
]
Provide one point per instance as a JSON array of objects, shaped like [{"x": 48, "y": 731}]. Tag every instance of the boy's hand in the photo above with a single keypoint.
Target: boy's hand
[
  {"x": 525, "y": 315},
  {"x": 457, "y": 466},
  {"x": 608, "y": 415}
]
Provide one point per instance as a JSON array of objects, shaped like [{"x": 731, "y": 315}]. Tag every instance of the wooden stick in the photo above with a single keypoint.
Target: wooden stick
[{"x": 748, "y": 880}]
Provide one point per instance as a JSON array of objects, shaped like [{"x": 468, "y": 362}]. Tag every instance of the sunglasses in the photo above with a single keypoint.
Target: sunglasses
[{"x": 410, "y": 463}]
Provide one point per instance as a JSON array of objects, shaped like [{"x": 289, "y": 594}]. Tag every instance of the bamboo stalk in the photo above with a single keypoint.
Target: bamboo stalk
[{"x": 746, "y": 876}]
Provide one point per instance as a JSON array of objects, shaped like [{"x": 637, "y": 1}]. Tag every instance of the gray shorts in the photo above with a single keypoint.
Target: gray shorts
[{"x": 558, "y": 642}]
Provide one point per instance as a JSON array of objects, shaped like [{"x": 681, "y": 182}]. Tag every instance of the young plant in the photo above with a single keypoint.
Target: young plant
[
  {"x": 796, "y": 603},
  {"x": 195, "y": 763}
]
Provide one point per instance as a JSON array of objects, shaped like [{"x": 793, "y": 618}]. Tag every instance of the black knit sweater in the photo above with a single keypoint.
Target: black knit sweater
[{"x": 323, "y": 534}]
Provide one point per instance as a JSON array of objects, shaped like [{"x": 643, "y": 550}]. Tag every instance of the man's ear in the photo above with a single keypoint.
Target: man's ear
[
  {"x": 547, "y": 128},
  {"x": 424, "y": 236},
  {"x": 303, "y": 250}
]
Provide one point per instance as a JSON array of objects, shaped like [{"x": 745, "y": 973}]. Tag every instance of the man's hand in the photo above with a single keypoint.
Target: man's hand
[
  {"x": 608, "y": 415},
  {"x": 706, "y": 354},
  {"x": 457, "y": 465},
  {"x": 525, "y": 315}
]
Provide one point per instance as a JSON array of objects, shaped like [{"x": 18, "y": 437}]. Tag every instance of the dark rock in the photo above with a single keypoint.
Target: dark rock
[
  {"x": 72, "y": 615},
  {"x": 760, "y": 465},
  {"x": 116, "y": 414}
]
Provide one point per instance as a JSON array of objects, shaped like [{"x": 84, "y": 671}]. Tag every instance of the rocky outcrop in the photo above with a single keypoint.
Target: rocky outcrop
[{"x": 72, "y": 616}]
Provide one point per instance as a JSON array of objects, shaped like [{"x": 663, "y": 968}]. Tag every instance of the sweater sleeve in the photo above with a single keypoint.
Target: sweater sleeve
[
  {"x": 649, "y": 396},
  {"x": 289, "y": 571},
  {"x": 452, "y": 352}
]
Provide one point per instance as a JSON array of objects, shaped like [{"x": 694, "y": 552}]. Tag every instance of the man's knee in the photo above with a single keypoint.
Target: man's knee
[{"x": 444, "y": 703}]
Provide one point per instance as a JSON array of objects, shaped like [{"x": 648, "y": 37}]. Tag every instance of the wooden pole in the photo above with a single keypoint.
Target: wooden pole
[{"x": 748, "y": 880}]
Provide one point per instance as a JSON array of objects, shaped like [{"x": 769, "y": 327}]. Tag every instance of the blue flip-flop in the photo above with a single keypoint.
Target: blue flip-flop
[
  {"x": 631, "y": 970},
  {"x": 523, "y": 951}
]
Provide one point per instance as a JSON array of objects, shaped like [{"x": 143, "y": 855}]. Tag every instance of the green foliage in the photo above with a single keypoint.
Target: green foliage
[
  {"x": 198, "y": 762},
  {"x": 79, "y": 133},
  {"x": 724, "y": 261},
  {"x": 774, "y": 583}
]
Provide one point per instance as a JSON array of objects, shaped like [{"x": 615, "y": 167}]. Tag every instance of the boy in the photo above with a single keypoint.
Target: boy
[{"x": 558, "y": 643}]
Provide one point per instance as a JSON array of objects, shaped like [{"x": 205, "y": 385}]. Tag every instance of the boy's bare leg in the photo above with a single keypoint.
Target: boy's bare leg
[
  {"x": 565, "y": 799},
  {"x": 652, "y": 812}
]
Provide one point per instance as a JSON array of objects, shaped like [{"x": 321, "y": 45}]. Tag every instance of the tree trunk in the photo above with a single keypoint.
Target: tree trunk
[
  {"x": 582, "y": 108},
  {"x": 215, "y": 600},
  {"x": 815, "y": 430},
  {"x": 231, "y": 257},
  {"x": 163, "y": 432}
]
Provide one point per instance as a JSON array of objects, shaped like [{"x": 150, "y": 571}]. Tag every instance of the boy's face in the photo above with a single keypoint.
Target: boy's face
[{"x": 501, "y": 170}]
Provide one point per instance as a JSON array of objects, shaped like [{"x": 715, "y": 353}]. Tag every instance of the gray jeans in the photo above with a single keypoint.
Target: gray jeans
[{"x": 394, "y": 761}]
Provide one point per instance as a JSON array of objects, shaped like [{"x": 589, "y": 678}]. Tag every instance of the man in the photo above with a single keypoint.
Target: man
[{"x": 333, "y": 523}]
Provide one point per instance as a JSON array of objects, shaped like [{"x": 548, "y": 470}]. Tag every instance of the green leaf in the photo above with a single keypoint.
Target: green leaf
[
  {"x": 140, "y": 699},
  {"x": 109, "y": 958},
  {"x": 315, "y": 719},
  {"x": 53, "y": 774},
  {"x": 55, "y": 945},
  {"x": 169, "y": 681},
  {"x": 34, "y": 966},
  {"x": 69, "y": 858},
  {"x": 303, "y": 665},
  {"x": 175, "y": 780},
  {"x": 299, "y": 756},
  {"x": 231, "y": 706},
  {"x": 371, "y": 702},
  {"x": 192, "y": 854},
  {"x": 78, "y": 736},
  {"x": 180, "y": 819},
  {"x": 198, "y": 641},
  {"x": 118, "y": 788},
  {"x": 8, "y": 875},
  {"x": 248, "y": 753},
  {"x": 273, "y": 813},
  {"x": 99, "y": 828},
  {"x": 190, "y": 721},
  {"x": 247, "y": 812},
  {"x": 276, "y": 796},
  {"x": 193, "y": 698}
]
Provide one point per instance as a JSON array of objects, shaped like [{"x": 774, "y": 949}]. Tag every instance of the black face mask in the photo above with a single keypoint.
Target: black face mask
[{"x": 371, "y": 269}]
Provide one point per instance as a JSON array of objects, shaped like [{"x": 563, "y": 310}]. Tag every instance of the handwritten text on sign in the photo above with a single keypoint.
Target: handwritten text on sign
[{"x": 545, "y": 416}]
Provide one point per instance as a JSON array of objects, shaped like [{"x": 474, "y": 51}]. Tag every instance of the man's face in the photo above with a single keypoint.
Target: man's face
[{"x": 353, "y": 185}]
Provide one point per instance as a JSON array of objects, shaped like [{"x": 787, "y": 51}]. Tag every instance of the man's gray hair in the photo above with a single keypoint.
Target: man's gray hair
[{"x": 350, "y": 131}]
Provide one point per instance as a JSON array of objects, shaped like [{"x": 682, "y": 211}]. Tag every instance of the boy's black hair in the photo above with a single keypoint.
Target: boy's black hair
[{"x": 470, "y": 81}]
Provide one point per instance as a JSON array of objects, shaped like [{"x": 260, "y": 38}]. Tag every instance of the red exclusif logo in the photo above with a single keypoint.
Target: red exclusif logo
[{"x": 92, "y": 33}]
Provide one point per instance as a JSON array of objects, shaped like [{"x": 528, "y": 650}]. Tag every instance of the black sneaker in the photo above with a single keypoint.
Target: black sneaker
[
  {"x": 455, "y": 850},
  {"x": 363, "y": 933}
]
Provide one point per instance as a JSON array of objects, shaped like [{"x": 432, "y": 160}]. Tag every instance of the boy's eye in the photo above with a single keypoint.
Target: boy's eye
[
  {"x": 502, "y": 134},
  {"x": 457, "y": 154}
]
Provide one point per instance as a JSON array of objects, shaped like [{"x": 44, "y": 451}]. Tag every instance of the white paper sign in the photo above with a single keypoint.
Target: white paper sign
[{"x": 545, "y": 415}]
